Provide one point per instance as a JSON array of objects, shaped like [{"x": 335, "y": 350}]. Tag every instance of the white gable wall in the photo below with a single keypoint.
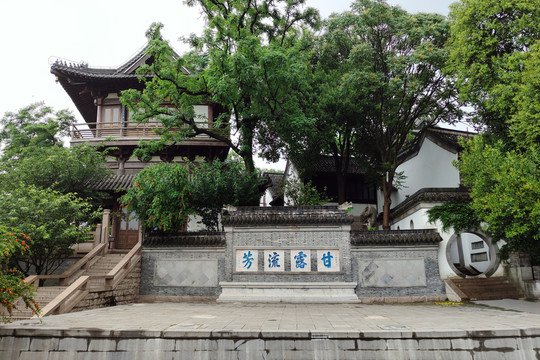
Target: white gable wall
[{"x": 430, "y": 168}]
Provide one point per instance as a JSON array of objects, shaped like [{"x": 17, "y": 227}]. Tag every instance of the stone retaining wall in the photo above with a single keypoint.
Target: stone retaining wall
[
  {"x": 18, "y": 344},
  {"x": 126, "y": 292}
]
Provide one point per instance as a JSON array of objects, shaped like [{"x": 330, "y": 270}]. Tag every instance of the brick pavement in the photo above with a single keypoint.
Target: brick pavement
[{"x": 288, "y": 317}]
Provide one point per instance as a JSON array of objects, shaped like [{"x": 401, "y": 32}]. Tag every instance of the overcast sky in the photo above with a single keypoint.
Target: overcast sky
[{"x": 102, "y": 33}]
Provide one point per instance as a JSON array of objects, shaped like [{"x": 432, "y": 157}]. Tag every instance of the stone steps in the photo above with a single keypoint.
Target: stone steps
[
  {"x": 487, "y": 288},
  {"x": 42, "y": 297},
  {"x": 45, "y": 294},
  {"x": 301, "y": 292}
]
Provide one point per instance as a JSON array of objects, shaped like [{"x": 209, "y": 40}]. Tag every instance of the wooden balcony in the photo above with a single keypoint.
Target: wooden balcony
[{"x": 126, "y": 133}]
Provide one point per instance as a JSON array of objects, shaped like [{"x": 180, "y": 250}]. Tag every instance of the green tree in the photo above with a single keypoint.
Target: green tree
[
  {"x": 67, "y": 170},
  {"x": 217, "y": 183},
  {"x": 299, "y": 193},
  {"x": 247, "y": 63},
  {"x": 459, "y": 216},
  {"x": 165, "y": 195},
  {"x": 489, "y": 41},
  {"x": 396, "y": 79},
  {"x": 41, "y": 184},
  {"x": 160, "y": 197},
  {"x": 33, "y": 127},
  {"x": 505, "y": 188},
  {"x": 53, "y": 221},
  {"x": 33, "y": 154},
  {"x": 495, "y": 55},
  {"x": 336, "y": 115}
]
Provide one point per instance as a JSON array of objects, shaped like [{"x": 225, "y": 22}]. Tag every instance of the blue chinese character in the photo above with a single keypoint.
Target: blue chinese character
[
  {"x": 300, "y": 260},
  {"x": 248, "y": 260},
  {"x": 273, "y": 260},
  {"x": 327, "y": 260}
]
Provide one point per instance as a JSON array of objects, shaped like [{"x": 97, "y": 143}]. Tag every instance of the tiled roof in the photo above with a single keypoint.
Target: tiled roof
[
  {"x": 395, "y": 237},
  {"x": 327, "y": 164},
  {"x": 430, "y": 195},
  {"x": 448, "y": 138},
  {"x": 113, "y": 183},
  {"x": 82, "y": 72},
  {"x": 185, "y": 240},
  {"x": 286, "y": 215}
]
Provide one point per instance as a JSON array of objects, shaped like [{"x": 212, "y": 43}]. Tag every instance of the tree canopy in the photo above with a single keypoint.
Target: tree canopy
[
  {"x": 489, "y": 41},
  {"x": 43, "y": 186},
  {"x": 33, "y": 154},
  {"x": 33, "y": 127},
  {"x": 382, "y": 74},
  {"x": 53, "y": 221},
  {"x": 248, "y": 63},
  {"x": 165, "y": 195},
  {"x": 494, "y": 54}
]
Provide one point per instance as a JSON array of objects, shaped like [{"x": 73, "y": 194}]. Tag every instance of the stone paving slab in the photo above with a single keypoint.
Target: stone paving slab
[
  {"x": 532, "y": 307},
  {"x": 199, "y": 320}
]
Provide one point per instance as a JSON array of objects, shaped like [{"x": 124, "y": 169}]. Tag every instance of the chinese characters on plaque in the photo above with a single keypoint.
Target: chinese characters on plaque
[
  {"x": 274, "y": 260},
  {"x": 328, "y": 260},
  {"x": 247, "y": 260},
  {"x": 300, "y": 260}
]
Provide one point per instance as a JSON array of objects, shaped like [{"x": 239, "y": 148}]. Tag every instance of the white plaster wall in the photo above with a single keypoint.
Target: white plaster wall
[
  {"x": 430, "y": 168},
  {"x": 420, "y": 219},
  {"x": 194, "y": 225},
  {"x": 291, "y": 174},
  {"x": 357, "y": 208}
]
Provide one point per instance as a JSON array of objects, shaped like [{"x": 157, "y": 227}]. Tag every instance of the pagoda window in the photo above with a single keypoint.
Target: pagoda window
[
  {"x": 111, "y": 115},
  {"x": 202, "y": 117}
]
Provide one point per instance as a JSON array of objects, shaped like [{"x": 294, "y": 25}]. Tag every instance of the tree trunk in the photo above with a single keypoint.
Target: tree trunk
[
  {"x": 340, "y": 164},
  {"x": 246, "y": 146},
  {"x": 387, "y": 193},
  {"x": 341, "y": 181}
]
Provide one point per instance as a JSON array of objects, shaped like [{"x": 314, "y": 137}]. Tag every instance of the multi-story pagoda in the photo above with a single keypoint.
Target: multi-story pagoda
[{"x": 107, "y": 123}]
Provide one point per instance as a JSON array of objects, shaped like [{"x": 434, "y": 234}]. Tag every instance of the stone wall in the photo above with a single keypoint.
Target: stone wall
[
  {"x": 523, "y": 275},
  {"x": 287, "y": 231},
  {"x": 126, "y": 292},
  {"x": 385, "y": 345},
  {"x": 182, "y": 265},
  {"x": 401, "y": 266},
  {"x": 388, "y": 266}
]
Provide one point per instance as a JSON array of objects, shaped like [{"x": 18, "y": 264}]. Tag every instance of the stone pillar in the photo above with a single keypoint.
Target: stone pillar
[{"x": 105, "y": 226}]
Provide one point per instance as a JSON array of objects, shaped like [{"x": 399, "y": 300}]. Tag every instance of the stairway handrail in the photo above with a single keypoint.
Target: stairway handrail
[
  {"x": 456, "y": 289},
  {"x": 33, "y": 279},
  {"x": 119, "y": 272},
  {"x": 98, "y": 250},
  {"x": 68, "y": 298}
]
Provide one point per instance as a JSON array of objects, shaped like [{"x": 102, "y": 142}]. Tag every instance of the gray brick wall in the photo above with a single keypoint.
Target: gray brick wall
[
  {"x": 182, "y": 272},
  {"x": 287, "y": 238},
  {"x": 379, "y": 258}
]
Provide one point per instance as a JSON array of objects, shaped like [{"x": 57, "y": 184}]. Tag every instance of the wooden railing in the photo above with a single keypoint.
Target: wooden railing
[
  {"x": 92, "y": 131},
  {"x": 77, "y": 290}
]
